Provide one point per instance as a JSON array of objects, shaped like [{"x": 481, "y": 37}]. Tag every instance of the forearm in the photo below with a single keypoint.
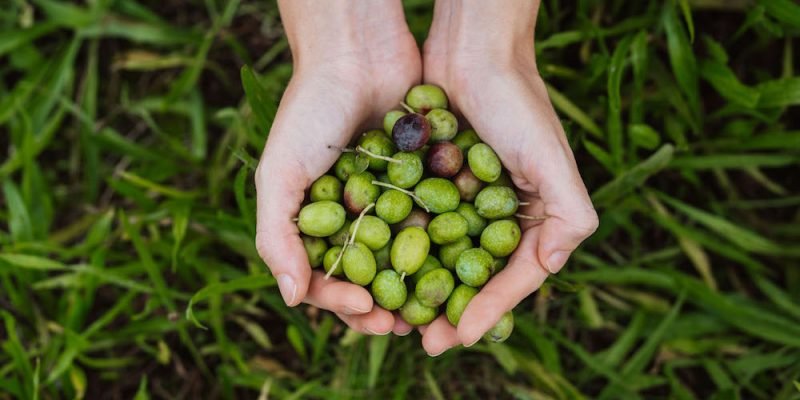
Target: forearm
[
  {"x": 319, "y": 31},
  {"x": 500, "y": 29}
]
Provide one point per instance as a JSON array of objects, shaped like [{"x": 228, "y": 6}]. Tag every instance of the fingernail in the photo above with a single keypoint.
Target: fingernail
[
  {"x": 405, "y": 333},
  {"x": 556, "y": 261},
  {"x": 352, "y": 310},
  {"x": 473, "y": 343},
  {"x": 437, "y": 354},
  {"x": 288, "y": 288},
  {"x": 371, "y": 332}
]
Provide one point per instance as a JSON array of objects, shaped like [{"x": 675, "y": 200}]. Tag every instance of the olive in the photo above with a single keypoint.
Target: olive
[
  {"x": 376, "y": 142},
  {"x": 372, "y": 231},
  {"x": 359, "y": 264},
  {"x": 411, "y": 132},
  {"x": 474, "y": 267},
  {"x": 447, "y": 228},
  {"x": 496, "y": 202},
  {"x": 435, "y": 287},
  {"x": 444, "y": 159},
  {"x": 416, "y": 313},
  {"x": 320, "y": 219},
  {"x": 502, "y": 330},
  {"x": 475, "y": 223},
  {"x": 501, "y": 237},
  {"x": 388, "y": 290},
  {"x": 407, "y": 172},
  {"x": 359, "y": 192},
  {"x": 350, "y": 164},
  {"x": 327, "y": 187},
  {"x": 315, "y": 249},
  {"x": 448, "y": 253},
  {"x": 444, "y": 124},
  {"x": 423, "y": 98},
  {"x": 458, "y": 302},
  {"x": 393, "y": 206},
  {"x": 484, "y": 163},
  {"x": 466, "y": 139},
  {"x": 409, "y": 250},
  {"x": 438, "y": 194}
]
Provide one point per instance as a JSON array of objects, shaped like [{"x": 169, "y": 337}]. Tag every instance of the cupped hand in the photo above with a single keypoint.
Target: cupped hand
[
  {"x": 326, "y": 103},
  {"x": 506, "y": 102}
]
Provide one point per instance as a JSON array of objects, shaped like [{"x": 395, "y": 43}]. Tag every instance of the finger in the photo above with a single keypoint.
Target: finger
[
  {"x": 521, "y": 277},
  {"x": 376, "y": 322},
  {"x": 401, "y": 327},
  {"x": 338, "y": 296},
  {"x": 439, "y": 337},
  {"x": 279, "y": 193},
  {"x": 571, "y": 217}
]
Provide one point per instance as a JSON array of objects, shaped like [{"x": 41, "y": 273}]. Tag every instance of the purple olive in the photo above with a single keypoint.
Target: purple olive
[
  {"x": 417, "y": 217},
  {"x": 411, "y": 132},
  {"x": 468, "y": 184},
  {"x": 444, "y": 159}
]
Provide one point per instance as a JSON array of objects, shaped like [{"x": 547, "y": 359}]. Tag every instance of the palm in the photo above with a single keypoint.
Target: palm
[
  {"x": 511, "y": 112},
  {"x": 322, "y": 109}
]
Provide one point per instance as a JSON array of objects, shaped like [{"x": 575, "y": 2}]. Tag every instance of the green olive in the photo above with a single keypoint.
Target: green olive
[
  {"x": 430, "y": 264},
  {"x": 406, "y": 173},
  {"x": 388, "y": 290},
  {"x": 393, "y": 206},
  {"x": 359, "y": 192},
  {"x": 484, "y": 163},
  {"x": 502, "y": 330},
  {"x": 340, "y": 236},
  {"x": 474, "y": 267},
  {"x": 327, "y": 187},
  {"x": 423, "y": 98},
  {"x": 448, "y": 253},
  {"x": 377, "y": 142},
  {"x": 435, "y": 287},
  {"x": 382, "y": 258},
  {"x": 438, "y": 194},
  {"x": 444, "y": 124},
  {"x": 320, "y": 219},
  {"x": 501, "y": 237},
  {"x": 359, "y": 264},
  {"x": 389, "y": 119},
  {"x": 330, "y": 257},
  {"x": 458, "y": 301},
  {"x": 494, "y": 202},
  {"x": 372, "y": 231},
  {"x": 409, "y": 250},
  {"x": 417, "y": 217},
  {"x": 415, "y": 313},
  {"x": 447, "y": 228},
  {"x": 475, "y": 223},
  {"x": 466, "y": 139},
  {"x": 315, "y": 249},
  {"x": 349, "y": 164}
]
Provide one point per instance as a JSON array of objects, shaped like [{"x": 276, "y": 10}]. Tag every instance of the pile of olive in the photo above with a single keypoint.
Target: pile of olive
[{"x": 420, "y": 213}]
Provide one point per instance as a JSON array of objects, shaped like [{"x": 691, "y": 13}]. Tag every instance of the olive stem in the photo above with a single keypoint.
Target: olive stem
[
  {"x": 532, "y": 217},
  {"x": 378, "y": 156},
  {"x": 339, "y": 258},
  {"x": 408, "y": 192},
  {"x": 295, "y": 219},
  {"x": 358, "y": 222},
  {"x": 524, "y": 203},
  {"x": 402, "y": 276},
  {"x": 408, "y": 108}
]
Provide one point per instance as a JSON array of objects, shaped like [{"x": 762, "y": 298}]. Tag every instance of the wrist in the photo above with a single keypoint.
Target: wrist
[
  {"x": 341, "y": 30},
  {"x": 471, "y": 29}
]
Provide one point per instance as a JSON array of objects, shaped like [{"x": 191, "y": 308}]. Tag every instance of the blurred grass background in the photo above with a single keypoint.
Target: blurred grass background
[{"x": 126, "y": 173}]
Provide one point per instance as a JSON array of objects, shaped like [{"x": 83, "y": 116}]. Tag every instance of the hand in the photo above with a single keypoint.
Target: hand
[
  {"x": 498, "y": 90},
  {"x": 342, "y": 83}
]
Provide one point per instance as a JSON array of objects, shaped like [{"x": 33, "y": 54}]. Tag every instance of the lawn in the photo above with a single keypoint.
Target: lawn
[{"x": 131, "y": 129}]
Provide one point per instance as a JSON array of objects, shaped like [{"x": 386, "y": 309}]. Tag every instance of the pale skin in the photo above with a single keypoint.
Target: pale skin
[{"x": 355, "y": 61}]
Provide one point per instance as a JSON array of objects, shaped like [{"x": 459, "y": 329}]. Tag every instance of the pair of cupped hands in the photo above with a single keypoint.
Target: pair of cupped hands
[{"x": 334, "y": 97}]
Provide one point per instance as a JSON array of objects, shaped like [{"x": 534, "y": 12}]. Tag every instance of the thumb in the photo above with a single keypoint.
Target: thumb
[
  {"x": 571, "y": 218},
  {"x": 279, "y": 196}
]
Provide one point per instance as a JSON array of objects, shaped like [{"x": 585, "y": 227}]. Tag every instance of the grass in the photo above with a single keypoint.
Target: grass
[{"x": 128, "y": 268}]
